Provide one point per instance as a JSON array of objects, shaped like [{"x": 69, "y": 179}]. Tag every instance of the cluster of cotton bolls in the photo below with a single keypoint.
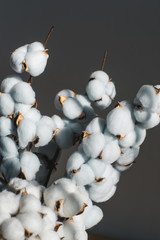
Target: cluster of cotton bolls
[{"x": 66, "y": 211}]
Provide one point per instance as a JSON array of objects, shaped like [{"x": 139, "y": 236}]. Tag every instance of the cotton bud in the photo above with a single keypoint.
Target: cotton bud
[
  {"x": 103, "y": 102},
  {"x": 83, "y": 176},
  {"x": 97, "y": 125},
  {"x": 8, "y": 147},
  {"x": 6, "y": 127},
  {"x": 10, "y": 168},
  {"x": 95, "y": 90},
  {"x": 66, "y": 93},
  {"x": 128, "y": 140},
  {"x": 119, "y": 121},
  {"x": 17, "y": 59},
  {"x": 141, "y": 115},
  {"x": 33, "y": 114},
  {"x": 58, "y": 121},
  {"x": 29, "y": 164},
  {"x": 110, "y": 90},
  {"x": 22, "y": 92},
  {"x": 75, "y": 161},
  {"x": 6, "y": 104},
  {"x": 101, "y": 76},
  {"x": 44, "y": 133},
  {"x": 26, "y": 132},
  {"x": 93, "y": 144},
  {"x": 48, "y": 121},
  {"x": 31, "y": 221},
  {"x": 128, "y": 155},
  {"x": 36, "y": 62},
  {"x": 9, "y": 202},
  {"x": 49, "y": 218},
  {"x": 97, "y": 166},
  {"x": 12, "y": 229},
  {"x": 111, "y": 152},
  {"x": 29, "y": 203},
  {"x": 9, "y": 82}
]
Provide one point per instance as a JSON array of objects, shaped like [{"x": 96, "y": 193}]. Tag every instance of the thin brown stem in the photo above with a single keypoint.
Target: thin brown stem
[
  {"x": 52, "y": 165},
  {"x": 104, "y": 60},
  {"x": 48, "y": 36},
  {"x": 30, "y": 80}
]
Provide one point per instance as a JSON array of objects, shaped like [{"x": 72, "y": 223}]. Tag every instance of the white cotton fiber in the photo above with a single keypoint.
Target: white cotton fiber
[
  {"x": 104, "y": 102},
  {"x": 35, "y": 46},
  {"x": 110, "y": 90},
  {"x": 6, "y": 127},
  {"x": 12, "y": 229},
  {"x": 22, "y": 92},
  {"x": 141, "y": 115},
  {"x": 6, "y": 104},
  {"x": 93, "y": 144},
  {"x": 29, "y": 164},
  {"x": 75, "y": 161},
  {"x": 9, "y": 202},
  {"x": 101, "y": 76},
  {"x": 97, "y": 166},
  {"x": 152, "y": 121},
  {"x": 26, "y": 132},
  {"x": 22, "y": 108},
  {"x": 65, "y": 92},
  {"x": 84, "y": 175},
  {"x": 119, "y": 121},
  {"x": 49, "y": 218},
  {"x": 58, "y": 121},
  {"x": 49, "y": 235},
  {"x": 111, "y": 152},
  {"x": 4, "y": 216},
  {"x": 95, "y": 90},
  {"x": 128, "y": 155},
  {"x": 8, "y": 147},
  {"x": 140, "y": 135},
  {"x": 9, "y": 82},
  {"x": 97, "y": 125},
  {"x": 29, "y": 203},
  {"x": 128, "y": 140},
  {"x": 122, "y": 168},
  {"x": 72, "y": 108},
  {"x": 48, "y": 121},
  {"x": 92, "y": 215},
  {"x": 33, "y": 114},
  {"x": 17, "y": 58},
  {"x": 10, "y": 168},
  {"x": 36, "y": 62},
  {"x": 44, "y": 133}
]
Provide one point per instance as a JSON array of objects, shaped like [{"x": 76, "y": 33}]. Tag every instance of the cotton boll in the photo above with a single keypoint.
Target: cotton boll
[
  {"x": 109, "y": 137},
  {"x": 44, "y": 133},
  {"x": 65, "y": 92},
  {"x": 109, "y": 195},
  {"x": 12, "y": 229},
  {"x": 35, "y": 46},
  {"x": 72, "y": 108},
  {"x": 128, "y": 155},
  {"x": 10, "y": 168},
  {"x": 152, "y": 121},
  {"x": 29, "y": 164},
  {"x": 29, "y": 203},
  {"x": 67, "y": 185},
  {"x": 9, "y": 82},
  {"x": 8, "y": 147},
  {"x": 6, "y": 127},
  {"x": 103, "y": 103},
  {"x": 33, "y": 114},
  {"x": 128, "y": 140},
  {"x": 58, "y": 121},
  {"x": 147, "y": 97},
  {"x": 141, "y": 115},
  {"x": 84, "y": 175},
  {"x": 93, "y": 144},
  {"x": 4, "y": 216},
  {"x": 97, "y": 166},
  {"x": 75, "y": 161},
  {"x": 97, "y": 125},
  {"x": 36, "y": 62},
  {"x": 119, "y": 121},
  {"x": 64, "y": 138},
  {"x": 111, "y": 152},
  {"x": 95, "y": 90},
  {"x": 121, "y": 168},
  {"x": 51, "y": 235},
  {"x": 22, "y": 92},
  {"x": 6, "y": 104},
  {"x": 92, "y": 215},
  {"x": 49, "y": 218},
  {"x": 26, "y": 132},
  {"x": 9, "y": 202},
  {"x": 140, "y": 135},
  {"x": 22, "y": 108},
  {"x": 31, "y": 221},
  {"x": 110, "y": 90},
  {"x": 48, "y": 121},
  {"x": 73, "y": 231},
  {"x": 101, "y": 76},
  {"x": 17, "y": 58}
]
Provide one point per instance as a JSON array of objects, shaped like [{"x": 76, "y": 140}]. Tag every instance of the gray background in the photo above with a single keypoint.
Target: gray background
[{"x": 130, "y": 30}]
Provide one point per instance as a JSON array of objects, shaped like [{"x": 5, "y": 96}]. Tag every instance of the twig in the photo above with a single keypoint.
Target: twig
[
  {"x": 52, "y": 165},
  {"x": 104, "y": 60},
  {"x": 48, "y": 36},
  {"x": 30, "y": 80}
]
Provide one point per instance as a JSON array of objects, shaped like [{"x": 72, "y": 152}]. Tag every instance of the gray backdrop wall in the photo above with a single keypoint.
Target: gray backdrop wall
[{"x": 130, "y": 30}]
